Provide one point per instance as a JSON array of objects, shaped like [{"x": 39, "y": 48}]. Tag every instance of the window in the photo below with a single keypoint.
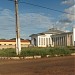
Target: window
[
  {"x": 74, "y": 43},
  {"x": 34, "y": 42},
  {"x": 52, "y": 41},
  {"x": 49, "y": 40},
  {"x": 44, "y": 41},
  {"x": 71, "y": 40},
  {"x": 55, "y": 41},
  {"x": 62, "y": 41},
  {"x": 10, "y": 44}
]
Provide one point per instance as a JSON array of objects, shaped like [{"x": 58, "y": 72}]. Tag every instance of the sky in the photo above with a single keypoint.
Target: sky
[{"x": 34, "y": 19}]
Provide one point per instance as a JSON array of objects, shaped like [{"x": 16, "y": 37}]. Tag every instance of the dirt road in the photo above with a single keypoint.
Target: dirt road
[{"x": 44, "y": 66}]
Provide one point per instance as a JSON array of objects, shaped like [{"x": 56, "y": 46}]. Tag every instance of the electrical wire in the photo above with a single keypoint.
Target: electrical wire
[{"x": 46, "y": 7}]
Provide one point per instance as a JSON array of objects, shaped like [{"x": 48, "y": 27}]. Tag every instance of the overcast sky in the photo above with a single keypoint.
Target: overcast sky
[{"x": 34, "y": 19}]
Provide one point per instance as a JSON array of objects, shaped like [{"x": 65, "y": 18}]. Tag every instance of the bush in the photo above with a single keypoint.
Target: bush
[
  {"x": 37, "y": 51},
  {"x": 7, "y": 52},
  {"x": 33, "y": 52},
  {"x": 45, "y": 51}
]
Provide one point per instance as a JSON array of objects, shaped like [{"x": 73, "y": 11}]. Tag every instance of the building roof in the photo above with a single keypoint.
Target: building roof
[
  {"x": 50, "y": 31},
  {"x": 63, "y": 33},
  {"x": 53, "y": 31},
  {"x": 14, "y": 40},
  {"x": 37, "y": 34}
]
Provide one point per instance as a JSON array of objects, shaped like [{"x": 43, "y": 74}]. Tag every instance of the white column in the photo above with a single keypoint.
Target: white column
[{"x": 40, "y": 41}]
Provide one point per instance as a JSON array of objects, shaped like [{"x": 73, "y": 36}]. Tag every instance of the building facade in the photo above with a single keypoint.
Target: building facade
[
  {"x": 12, "y": 43},
  {"x": 41, "y": 40},
  {"x": 44, "y": 39},
  {"x": 64, "y": 39}
]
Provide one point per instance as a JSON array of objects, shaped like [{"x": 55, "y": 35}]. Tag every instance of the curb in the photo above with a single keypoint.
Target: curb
[
  {"x": 73, "y": 54},
  {"x": 18, "y": 58},
  {"x": 31, "y": 57}
]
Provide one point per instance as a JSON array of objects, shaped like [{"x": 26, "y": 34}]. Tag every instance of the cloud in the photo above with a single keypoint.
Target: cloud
[
  {"x": 62, "y": 24},
  {"x": 34, "y": 23},
  {"x": 35, "y": 20},
  {"x": 71, "y": 10},
  {"x": 7, "y": 24},
  {"x": 68, "y": 20},
  {"x": 68, "y": 2},
  {"x": 29, "y": 23},
  {"x": 65, "y": 21}
]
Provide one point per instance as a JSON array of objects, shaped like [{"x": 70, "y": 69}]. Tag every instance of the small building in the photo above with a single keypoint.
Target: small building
[{"x": 12, "y": 43}]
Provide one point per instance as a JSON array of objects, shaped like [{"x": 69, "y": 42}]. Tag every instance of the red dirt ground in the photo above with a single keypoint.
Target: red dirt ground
[{"x": 44, "y": 66}]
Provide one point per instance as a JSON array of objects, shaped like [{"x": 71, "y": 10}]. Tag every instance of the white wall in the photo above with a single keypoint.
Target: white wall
[
  {"x": 43, "y": 42},
  {"x": 74, "y": 36}
]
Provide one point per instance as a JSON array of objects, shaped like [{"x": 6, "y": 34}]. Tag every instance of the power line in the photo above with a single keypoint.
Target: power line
[{"x": 45, "y": 7}]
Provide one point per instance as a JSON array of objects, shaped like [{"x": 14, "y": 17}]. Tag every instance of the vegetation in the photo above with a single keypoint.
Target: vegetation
[
  {"x": 7, "y": 52},
  {"x": 38, "y": 51},
  {"x": 2, "y": 39},
  {"x": 46, "y": 51}
]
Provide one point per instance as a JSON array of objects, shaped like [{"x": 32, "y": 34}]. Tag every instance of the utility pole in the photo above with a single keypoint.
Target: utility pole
[{"x": 18, "y": 42}]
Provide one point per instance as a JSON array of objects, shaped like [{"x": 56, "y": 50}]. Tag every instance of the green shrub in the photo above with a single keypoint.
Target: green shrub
[
  {"x": 8, "y": 52},
  {"x": 37, "y": 51},
  {"x": 45, "y": 51},
  {"x": 33, "y": 52}
]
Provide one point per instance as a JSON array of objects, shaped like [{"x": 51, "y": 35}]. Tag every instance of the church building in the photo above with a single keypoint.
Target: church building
[{"x": 53, "y": 38}]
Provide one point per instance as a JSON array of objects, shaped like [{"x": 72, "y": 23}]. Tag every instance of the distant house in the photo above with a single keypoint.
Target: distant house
[
  {"x": 44, "y": 39},
  {"x": 53, "y": 38},
  {"x": 12, "y": 43}
]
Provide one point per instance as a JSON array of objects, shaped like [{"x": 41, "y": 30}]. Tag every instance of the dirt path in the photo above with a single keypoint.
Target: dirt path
[{"x": 45, "y": 66}]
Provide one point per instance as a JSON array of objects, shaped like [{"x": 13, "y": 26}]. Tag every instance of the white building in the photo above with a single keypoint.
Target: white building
[
  {"x": 53, "y": 38},
  {"x": 44, "y": 39}
]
